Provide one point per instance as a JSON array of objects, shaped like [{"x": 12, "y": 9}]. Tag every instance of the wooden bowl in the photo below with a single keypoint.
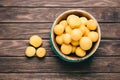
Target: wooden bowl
[{"x": 54, "y": 45}]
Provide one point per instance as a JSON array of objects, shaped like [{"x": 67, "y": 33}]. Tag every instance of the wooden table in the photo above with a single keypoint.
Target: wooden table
[{"x": 19, "y": 19}]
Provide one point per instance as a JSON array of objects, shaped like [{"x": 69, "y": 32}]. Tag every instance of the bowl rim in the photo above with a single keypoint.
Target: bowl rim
[{"x": 52, "y": 43}]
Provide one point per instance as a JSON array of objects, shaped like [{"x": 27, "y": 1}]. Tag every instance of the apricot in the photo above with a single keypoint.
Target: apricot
[
  {"x": 66, "y": 38},
  {"x": 68, "y": 29},
  {"x": 93, "y": 36},
  {"x": 76, "y": 34},
  {"x": 73, "y": 21},
  {"x": 83, "y": 20},
  {"x": 41, "y": 52},
  {"x": 75, "y": 43},
  {"x": 59, "y": 29},
  {"x": 30, "y": 51},
  {"x": 91, "y": 25},
  {"x": 59, "y": 39},
  {"x": 80, "y": 52},
  {"x": 85, "y": 43},
  {"x": 35, "y": 41},
  {"x": 66, "y": 49}
]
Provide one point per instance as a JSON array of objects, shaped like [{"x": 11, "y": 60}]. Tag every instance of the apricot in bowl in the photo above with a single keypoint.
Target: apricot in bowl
[{"x": 75, "y": 35}]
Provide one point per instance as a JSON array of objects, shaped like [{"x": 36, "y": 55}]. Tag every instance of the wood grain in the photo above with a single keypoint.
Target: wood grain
[
  {"x": 54, "y": 64},
  {"x": 19, "y": 19},
  {"x": 16, "y": 48},
  {"x": 25, "y": 30},
  {"x": 49, "y": 14},
  {"x": 59, "y": 76},
  {"x": 61, "y": 3}
]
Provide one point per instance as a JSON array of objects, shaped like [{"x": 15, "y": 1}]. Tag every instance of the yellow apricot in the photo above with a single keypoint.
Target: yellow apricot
[
  {"x": 63, "y": 22},
  {"x": 76, "y": 34},
  {"x": 91, "y": 25},
  {"x": 75, "y": 43},
  {"x": 35, "y": 41},
  {"x": 83, "y": 29},
  {"x": 30, "y": 51},
  {"x": 93, "y": 36},
  {"x": 41, "y": 52},
  {"x": 83, "y": 20},
  {"x": 73, "y": 49},
  {"x": 66, "y": 49},
  {"x": 66, "y": 38},
  {"x": 80, "y": 52},
  {"x": 73, "y": 21},
  {"x": 85, "y": 43},
  {"x": 59, "y": 29},
  {"x": 86, "y": 32},
  {"x": 68, "y": 29},
  {"x": 59, "y": 39}
]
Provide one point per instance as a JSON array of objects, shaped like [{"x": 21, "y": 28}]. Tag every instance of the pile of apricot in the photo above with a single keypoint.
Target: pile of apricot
[
  {"x": 76, "y": 35},
  {"x": 35, "y": 42}
]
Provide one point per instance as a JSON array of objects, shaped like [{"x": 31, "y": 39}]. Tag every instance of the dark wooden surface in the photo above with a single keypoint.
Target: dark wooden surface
[{"x": 19, "y": 19}]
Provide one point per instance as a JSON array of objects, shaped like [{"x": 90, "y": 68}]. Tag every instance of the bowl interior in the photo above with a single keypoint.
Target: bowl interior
[{"x": 64, "y": 16}]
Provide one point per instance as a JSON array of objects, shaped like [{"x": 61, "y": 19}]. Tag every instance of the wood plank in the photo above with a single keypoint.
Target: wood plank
[
  {"x": 25, "y": 30},
  {"x": 49, "y": 14},
  {"x": 54, "y": 64},
  {"x": 59, "y": 76},
  {"x": 9, "y": 48},
  {"x": 61, "y": 3}
]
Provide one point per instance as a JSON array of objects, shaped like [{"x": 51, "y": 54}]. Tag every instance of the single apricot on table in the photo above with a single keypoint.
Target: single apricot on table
[
  {"x": 35, "y": 41},
  {"x": 41, "y": 52},
  {"x": 30, "y": 51}
]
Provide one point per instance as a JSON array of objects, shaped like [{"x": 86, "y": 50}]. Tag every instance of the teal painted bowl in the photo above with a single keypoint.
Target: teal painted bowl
[{"x": 56, "y": 48}]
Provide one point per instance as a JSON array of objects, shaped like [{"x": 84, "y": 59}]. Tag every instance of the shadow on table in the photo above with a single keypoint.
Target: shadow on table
[{"x": 84, "y": 66}]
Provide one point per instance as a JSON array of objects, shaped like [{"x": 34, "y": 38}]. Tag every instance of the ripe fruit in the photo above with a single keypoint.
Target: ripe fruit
[
  {"x": 59, "y": 39},
  {"x": 64, "y": 23},
  {"x": 41, "y": 52},
  {"x": 73, "y": 21},
  {"x": 91, "y": 25},
  {"x": 85, "y": 43},
  {"x": 75, "y": 43},
  {"x": 83, "y": 29},
  {"x": 93, "y": 36},
  {"x": 66, "y": 38},
  {"x": 35, "y": 41},
  {"x": 66, "y": 49},
  {"x": 30, "y": 51},
  {"x": 59, "y": 29},
  {"x": 68, "y": 29},
  {"x": 73, "y": 49},
  {"x": 80, "y": 52},
  {"x": 83, "y": 20},
  {"x": 86, "y": 32},
  {"x": 76, "y": 34}
]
